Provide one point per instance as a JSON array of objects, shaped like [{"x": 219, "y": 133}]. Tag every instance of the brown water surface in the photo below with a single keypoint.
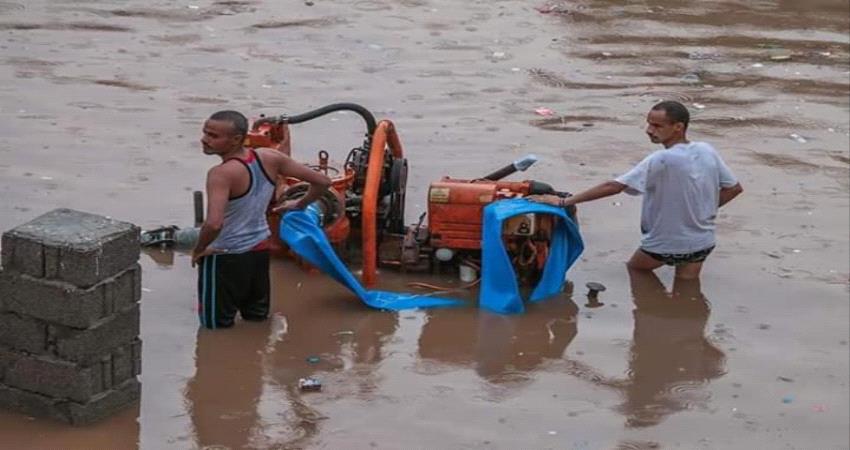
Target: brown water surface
[{"x": 101, "y": 103}]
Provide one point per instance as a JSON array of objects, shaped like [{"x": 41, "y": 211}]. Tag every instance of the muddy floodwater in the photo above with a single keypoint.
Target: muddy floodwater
[{"x": 101, "y": 104}]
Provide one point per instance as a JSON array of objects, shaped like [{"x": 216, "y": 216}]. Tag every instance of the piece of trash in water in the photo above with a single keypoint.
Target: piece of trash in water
[
  {"x": 309, "y": 3},
  {"x": 785, "y": 379},
  {"x": 757, "y": 65},
  {"x": 313, "y": 359},
  {"x": 344, "y": 333},
  {"x": 690, "y": 78},
  {"x": 194, "y": 7},
  {"x": 780, "y": 58},
  {"x": 298, "y": 286},
  {"x": 819, "y": 408},
  {"x": 699, "y": 106},
  {"x": 146, "y": 290},
  {"x": 309, "y": 384},
  {"x": 499, "y": 55},
  {"x": 545, "y": 112},
  {"x": 607, "y": 54},
  {"x": 47, "y": 178},
  {"x": 553, "y": 433},
  {"x": 788, "y": 399},
  {"x": 764, "y": 326},
  {"x": 796, "y": 250},
  {"x": 515, "y": 69},
  {"x": 616, "y": 203},
  {"x": 798, "y": 138}
]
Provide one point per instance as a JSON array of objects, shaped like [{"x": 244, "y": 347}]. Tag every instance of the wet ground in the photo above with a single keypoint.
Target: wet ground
[{"x": 101, "y": 104}]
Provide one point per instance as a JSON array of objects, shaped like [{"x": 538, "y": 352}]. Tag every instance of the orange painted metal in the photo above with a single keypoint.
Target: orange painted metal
[
  {"x": 456, "y": 207},
  {"x": 384, "y": 136}
]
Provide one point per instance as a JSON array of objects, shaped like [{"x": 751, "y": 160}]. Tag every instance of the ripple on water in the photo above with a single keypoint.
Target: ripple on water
[
  {"x": 371, "y": 5},
  {"x": 637, "y": 445},
  {"x": 7, "y": 7}
]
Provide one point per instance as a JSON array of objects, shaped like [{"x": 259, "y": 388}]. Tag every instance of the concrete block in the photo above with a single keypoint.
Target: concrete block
[
  {"x": 22, "y": 255},
  {"x": 62, "y": 303},
  {"x": 126, "y": 362},
  {"x": 87, "y": 346},
  {"x": 72, "y": 246},
  {"x": 137, "y": 357},
  {"x": 8, "y": 358},
  {"x": 54, "y": 378},
  {"x": 32, "y": 404},
  {"x": 105, "y": 404},
  {"x": 99, "y": 407},
  {"x": 22, "y": 333}
]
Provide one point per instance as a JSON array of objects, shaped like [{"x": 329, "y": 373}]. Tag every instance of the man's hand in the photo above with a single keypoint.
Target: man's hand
[
  {"x": 286, "y": 206},
  {"x": 548, "y": 199},
  {"x": 198, "y": 256}
]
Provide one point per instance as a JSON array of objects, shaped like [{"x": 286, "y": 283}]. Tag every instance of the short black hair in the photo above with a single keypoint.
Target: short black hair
[
  {"x": 236, "y": 118},
  {"x": 675, "y": 111}
]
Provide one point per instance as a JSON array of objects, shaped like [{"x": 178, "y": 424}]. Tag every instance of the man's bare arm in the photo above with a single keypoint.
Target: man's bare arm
[
  {"x": 218, "y": 191},
  {"x": 728, "y": 193},
  {"x": 319, "y": 182},
  {"x": 603, "y": 190}
]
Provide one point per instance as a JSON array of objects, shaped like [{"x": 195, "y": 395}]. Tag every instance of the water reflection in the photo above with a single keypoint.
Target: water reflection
[
  {"x": 223, "y": 395},
  {"x": 245, "y": 390},
  {"x": 500, "y": 348},
  {"x": 671, "y": 359}
]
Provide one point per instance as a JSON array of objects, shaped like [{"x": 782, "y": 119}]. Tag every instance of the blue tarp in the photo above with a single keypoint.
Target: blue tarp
[{"x": 499, "y": 288}]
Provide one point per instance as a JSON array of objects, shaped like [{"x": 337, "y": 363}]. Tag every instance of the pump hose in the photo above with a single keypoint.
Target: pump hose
[{"x": 367, "y": 116}]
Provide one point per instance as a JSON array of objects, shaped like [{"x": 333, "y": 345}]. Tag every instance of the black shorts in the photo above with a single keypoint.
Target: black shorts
[
  {"x": 679, "y": 259},
  {"x": 231, "y": 282}
]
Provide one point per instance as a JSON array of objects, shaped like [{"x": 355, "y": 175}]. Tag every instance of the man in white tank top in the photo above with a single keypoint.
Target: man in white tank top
[
  {"x": 232, "y": 249},
  {"x": 682, "y": 187}
]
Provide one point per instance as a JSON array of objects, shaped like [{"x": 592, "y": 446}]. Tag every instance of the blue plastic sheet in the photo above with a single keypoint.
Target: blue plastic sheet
[
  {"x": 499, "y": 288},
  {"x": 300, "y": 230}
]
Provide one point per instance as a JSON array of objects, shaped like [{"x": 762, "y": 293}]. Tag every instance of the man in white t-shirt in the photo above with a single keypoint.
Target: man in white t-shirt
[{"x": 683, "y": 186}]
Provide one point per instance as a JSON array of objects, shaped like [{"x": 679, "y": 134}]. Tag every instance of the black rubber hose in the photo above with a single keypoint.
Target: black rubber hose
[{"x": 367, "y": 116}]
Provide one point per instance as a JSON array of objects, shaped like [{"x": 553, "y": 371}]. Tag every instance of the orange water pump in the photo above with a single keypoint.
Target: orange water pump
[{"x": 363, "y": 211}]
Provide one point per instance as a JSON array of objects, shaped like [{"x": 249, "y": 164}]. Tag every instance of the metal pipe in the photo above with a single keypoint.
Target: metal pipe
[
  {"x": 384, "y": 136},
  {"x": 518, "y": 165}
]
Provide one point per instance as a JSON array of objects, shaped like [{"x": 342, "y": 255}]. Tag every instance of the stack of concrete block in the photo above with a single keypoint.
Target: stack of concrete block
[{"x": 70, "y": 287}]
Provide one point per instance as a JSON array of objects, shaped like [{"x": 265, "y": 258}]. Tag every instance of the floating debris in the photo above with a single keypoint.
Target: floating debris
[
  {"x": 798, "y": 138},
  {"x": 309, "y": 384},
  {"x": 545, "y": 112}
]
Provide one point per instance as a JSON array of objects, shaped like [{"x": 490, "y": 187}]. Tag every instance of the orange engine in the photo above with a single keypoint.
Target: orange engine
[{"x": 455, "y": 211}]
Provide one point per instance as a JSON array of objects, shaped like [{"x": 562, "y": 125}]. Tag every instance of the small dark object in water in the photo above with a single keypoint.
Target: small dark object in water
[
  {"x": 594, "y": 289},
  {"x": 309, "y": 384}
]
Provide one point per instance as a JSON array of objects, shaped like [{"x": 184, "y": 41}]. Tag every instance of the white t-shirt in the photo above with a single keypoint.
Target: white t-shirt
[{"x": 681, "y": 188}]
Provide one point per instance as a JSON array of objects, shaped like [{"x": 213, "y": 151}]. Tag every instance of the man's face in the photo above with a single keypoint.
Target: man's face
[
  {"x": 659, "y": 128},
  {"x": 219, "y": 137}
]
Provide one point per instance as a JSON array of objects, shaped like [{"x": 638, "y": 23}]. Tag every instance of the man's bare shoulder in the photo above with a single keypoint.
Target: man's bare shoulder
[{"x": 225, "y": 171}]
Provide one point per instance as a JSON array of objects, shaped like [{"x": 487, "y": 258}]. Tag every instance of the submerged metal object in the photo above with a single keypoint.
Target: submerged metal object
[
  {"x": 170, "y": 236},
  {"x": 594, "y": 289}
]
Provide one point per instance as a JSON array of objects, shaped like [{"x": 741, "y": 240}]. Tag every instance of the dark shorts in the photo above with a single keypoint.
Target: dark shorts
[
  {"x": 230, "y": 283},
  {"x": 678, "y": 259}
]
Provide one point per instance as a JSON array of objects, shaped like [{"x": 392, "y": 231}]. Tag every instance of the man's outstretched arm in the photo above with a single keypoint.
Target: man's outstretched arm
[
  {"x": 605, "y": 189},
  {"x": 728, "y": 193}
]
